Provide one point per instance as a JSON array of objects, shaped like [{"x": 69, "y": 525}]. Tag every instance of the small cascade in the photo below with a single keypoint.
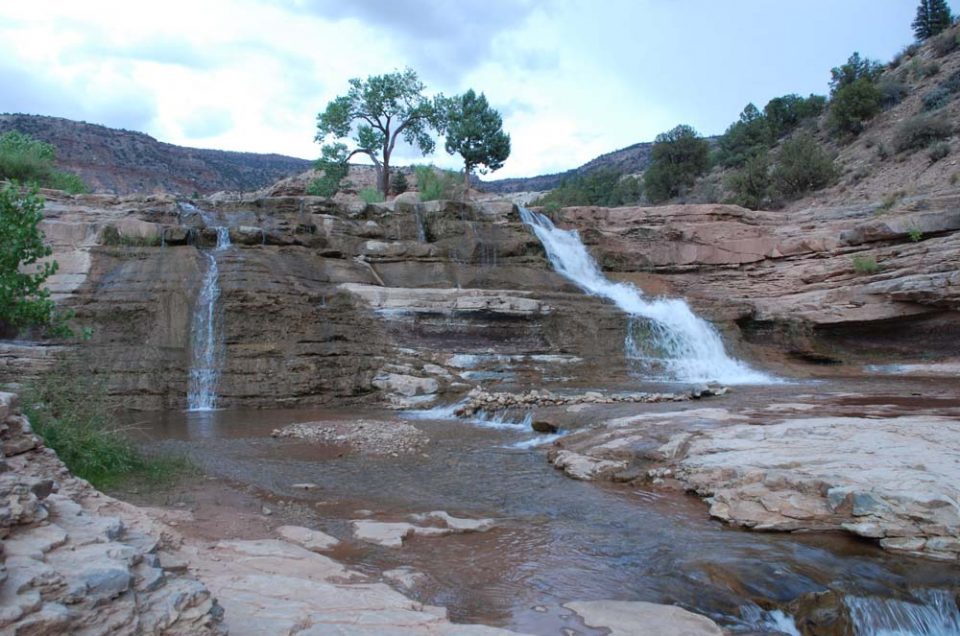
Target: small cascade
[
  {"x": 207, "y": 338},
  {"x": 935, "y": 614},
  {"x": 421, "y": 228},
  {"x": 687, "y": 347}
]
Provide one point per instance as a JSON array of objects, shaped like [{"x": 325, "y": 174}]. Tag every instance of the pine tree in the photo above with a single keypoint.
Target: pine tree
[{"x": 933, "y": 16}]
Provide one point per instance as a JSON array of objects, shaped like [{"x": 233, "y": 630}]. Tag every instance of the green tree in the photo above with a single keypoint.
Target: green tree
[
  {"x": 933, "y": 16},
  {"x": 744, "y": 138},
  {"x": 378, "y": 111},
  {"x": 604, "y": 187},
  {"x": 677, "y": 158},
  {"x": 785, "y": 113},
  {"x": 24, "y": 301},
  {"x": 333, "y": 167},
  {"x": 752, "y": 185},
  {"x": 475, "y": 131},
  {"x": 856, "y": 68},
  {"x": 802, "y": 166},
  {"x": 853, "y": 105},
  {"x": 399, "y": 183}
]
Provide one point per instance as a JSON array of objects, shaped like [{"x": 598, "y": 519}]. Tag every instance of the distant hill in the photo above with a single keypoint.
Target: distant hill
[
  {"x": 126, "y": 162},
  {"x": 629, "y": 160}
]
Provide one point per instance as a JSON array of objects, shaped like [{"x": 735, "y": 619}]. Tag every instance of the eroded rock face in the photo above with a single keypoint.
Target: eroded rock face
[{"x": 66, "y": 567}]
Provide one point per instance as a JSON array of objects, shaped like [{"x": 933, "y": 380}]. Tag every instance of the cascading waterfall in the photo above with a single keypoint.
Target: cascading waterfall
[
  {"x": 934, "y": 614},
  {"x": 686, "y": 346},
  {"x": 206, "y": 340}
]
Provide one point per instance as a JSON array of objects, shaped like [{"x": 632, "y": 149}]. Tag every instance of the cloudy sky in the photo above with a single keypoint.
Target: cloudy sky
[{"x": 572, "y": 78}]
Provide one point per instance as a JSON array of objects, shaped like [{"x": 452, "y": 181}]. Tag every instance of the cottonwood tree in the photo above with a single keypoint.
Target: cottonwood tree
[
  {"x": 474, "y": 130},
  {"x": 377, "y": 112},
  {"x": 24, "y": 301},
  {"x": 933, "y": 16}
]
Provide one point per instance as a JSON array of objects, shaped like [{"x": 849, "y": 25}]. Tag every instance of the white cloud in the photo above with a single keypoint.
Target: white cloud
[{"x": 573, "y": 79}]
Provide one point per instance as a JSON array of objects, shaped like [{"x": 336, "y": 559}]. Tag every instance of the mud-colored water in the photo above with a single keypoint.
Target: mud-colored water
[{"x": 557, "y": 540}]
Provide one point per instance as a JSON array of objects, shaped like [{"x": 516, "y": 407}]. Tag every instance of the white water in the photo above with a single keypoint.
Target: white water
[
  {"x": 936, "y": 615},
  {"x": 686, "y": 346},
  {"x": 206, "y": 338}
]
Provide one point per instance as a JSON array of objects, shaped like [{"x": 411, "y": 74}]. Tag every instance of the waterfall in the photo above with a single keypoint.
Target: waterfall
[
  {"x": 206, "y": 338},
  {"x": 935, "y": 615},
  {"x": 686, "y": 346}
]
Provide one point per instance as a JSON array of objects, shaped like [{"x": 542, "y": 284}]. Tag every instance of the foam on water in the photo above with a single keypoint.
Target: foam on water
[
  {"x": 934, "y": 614},
  {"x": 688, "y": 347}
]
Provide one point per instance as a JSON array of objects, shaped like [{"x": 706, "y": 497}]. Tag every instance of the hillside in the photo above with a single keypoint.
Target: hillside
[
  {"x": 126, "y": 162},
  {"x": 629, "y": 160}
]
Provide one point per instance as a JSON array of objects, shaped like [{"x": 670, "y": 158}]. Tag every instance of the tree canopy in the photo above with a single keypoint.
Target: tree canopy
[
  {"x": 373, "y": 115},
  {"x": 24, "y": 301},
  {"x": 933, "y": 16},
  {"x": 677, "y": 158},
  {"x": 475, "y": 131}
]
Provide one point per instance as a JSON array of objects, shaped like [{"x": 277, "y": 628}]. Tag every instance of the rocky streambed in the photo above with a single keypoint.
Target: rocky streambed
[{"x": 475, "y": 519}]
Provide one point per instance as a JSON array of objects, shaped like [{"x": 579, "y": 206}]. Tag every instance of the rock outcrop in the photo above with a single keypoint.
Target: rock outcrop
[{"x": 70, "y": 566}]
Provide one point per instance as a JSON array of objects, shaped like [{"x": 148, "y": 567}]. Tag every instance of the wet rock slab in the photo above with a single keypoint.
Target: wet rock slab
[
  {"x": 895, "y": 480},
  {"x": 636, "y": 618},
  {"x": 373, "y": 437},
  {"x": 392, "y": 534}
]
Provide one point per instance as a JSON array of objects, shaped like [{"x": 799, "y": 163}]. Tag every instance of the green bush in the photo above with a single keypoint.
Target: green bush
[
  {"x": 677, "y": 158},
  {"x": 67, "y": 408},
  {"x": 935, "y": 98},
  {"x": 921, "y": 131},
  {"x": 398, "y": 184},
  {"x": 855, "y": 70},
  {"x": 865, "y": 265},
  {"x": 371, "y": 195},
  {"x": 606, "y": 188},
  {"x": 944, "y": 43},
  {"x": 434, "y": 183},
  {"x": 24, "y": 301},
  {"x": 915, "y": 234},
  {"x": 853, "y": 105},
  {"x": 744, "y": 138},
  {"x": 752, "y": 185},
  {"x": 785, "y": 113},
  {"x": 892, "y": 91},
  {"x": 922, "y": 70},
  {"x": 802, "y": 166},
  {"x": 25, "y": 159},
  {"x": 952, "y": 83},
  {"x": 939, "y": 151}
]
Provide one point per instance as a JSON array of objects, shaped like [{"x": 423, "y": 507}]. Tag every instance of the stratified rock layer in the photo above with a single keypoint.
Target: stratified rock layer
[{"x": 70, "y": 566}]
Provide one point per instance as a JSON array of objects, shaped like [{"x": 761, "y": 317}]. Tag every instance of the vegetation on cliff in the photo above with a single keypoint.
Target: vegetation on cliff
[
  {"x": 475, "y": 132},
  {"x": 25, "y": 159},
  {"x": 24, "y": 301}
]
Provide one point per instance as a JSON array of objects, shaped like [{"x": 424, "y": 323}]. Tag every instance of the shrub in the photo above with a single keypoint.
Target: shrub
[
  {"x": 677, "y": 158},
  {"x": 333, "y": 167},
  {"x": 865, "y": 265},
  {"x": 919, "y": 132},
  {"x": 908, "y": 51},
  {"x": 935, "y": 98},
  {"x": 25, "y": 159},
  {"x": 923, "y": 70},
  {"x": 752, "y": 185},
  {"x": 939, "y": 151},
  {"x": 915, "y": 234},
  {"x": 67, "y": 408},
  {"x": 785, "y": 113},
  {"x": 944, "y": 43},
  {"x": 892, "y": 91},
  {"x": 952, "y": 83},
  {"x": 883, "y": 151},
  {"x": 853, "y": 105},
  {"x": 802, "y": 166},
  {"x": 399, "y": 183},
  {"x": 603, "y": 187},
  {"x": 371, "y": 195},
  {"x": 434, "y": 183}
]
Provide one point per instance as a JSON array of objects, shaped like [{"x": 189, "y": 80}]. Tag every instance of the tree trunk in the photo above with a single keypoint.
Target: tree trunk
[{"x": 385, "y": 172}]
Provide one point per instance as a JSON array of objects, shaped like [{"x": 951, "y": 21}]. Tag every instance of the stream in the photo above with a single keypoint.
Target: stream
[{"x": 556, "y": 540}]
